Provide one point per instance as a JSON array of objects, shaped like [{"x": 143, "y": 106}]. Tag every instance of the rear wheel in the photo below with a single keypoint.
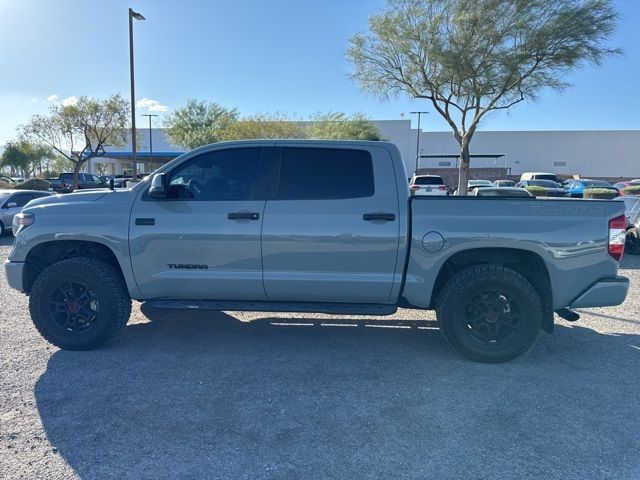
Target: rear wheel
[
  {"x": 79, "y": 303},
  {"x": 489, "y": 313},
  {"x": 632, "y": 246}
]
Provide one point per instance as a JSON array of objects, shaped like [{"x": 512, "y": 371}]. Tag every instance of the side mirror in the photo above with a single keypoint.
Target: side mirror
[
  {"x": 158, "y": 189},
  {"x": 11, "y": 205}
]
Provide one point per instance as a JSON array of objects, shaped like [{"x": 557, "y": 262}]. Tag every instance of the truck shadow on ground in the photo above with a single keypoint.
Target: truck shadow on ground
[
  {"x": 200, "y": 394},
  {"x": 6, "y": 240}
]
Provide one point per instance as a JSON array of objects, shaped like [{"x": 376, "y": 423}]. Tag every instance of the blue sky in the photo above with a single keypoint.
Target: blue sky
[{"x": 258, "y": 56}]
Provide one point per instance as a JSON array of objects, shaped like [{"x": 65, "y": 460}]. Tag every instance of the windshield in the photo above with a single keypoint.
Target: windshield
[
  {"x": 479, "y": 182},
  {"x": 596, "y": 183},
  {"x": 543, "y": 183},
  {"x": 546, "y": 176},
  {"x": 428, "y": 181},
  {"x": 502, "y": 192},
  {"x": 4, "y": 195}
]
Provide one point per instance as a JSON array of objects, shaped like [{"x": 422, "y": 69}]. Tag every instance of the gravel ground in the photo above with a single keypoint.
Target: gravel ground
[{"x": 230, "y": 395}]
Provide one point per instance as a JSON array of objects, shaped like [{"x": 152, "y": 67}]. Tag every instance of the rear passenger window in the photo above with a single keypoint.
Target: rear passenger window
[{"x": 325, "y": 173}]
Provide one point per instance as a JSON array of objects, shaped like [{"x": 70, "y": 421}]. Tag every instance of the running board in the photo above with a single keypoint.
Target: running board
[{"x": 266, "y": 306}]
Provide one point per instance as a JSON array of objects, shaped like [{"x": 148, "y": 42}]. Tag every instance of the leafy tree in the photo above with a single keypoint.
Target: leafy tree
[
  {"x": 80, "y": 131},
  {"x": 339, "y": 126},
  {"x": 24, "y": 156},
  {"x": 198, "y": 123},
  {"x": 263, "y": 126},
  {"x": 469, "y": 58}
]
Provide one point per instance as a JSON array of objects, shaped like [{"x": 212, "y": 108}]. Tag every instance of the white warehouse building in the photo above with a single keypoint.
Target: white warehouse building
[{"x": 596, "y": 153}]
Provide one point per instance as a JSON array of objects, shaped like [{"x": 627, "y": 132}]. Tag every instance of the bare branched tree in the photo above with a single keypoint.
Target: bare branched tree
[{"x": 80, "y": 130}]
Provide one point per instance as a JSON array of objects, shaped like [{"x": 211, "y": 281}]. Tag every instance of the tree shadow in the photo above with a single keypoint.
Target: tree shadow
[{"x": 201, "y": 395}]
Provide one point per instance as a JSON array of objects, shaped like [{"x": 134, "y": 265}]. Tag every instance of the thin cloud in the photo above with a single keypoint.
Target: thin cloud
[
  {"x": 151, "y": 105},
  {"x": 52, "y": 98},
  {"x": 69, "y": 101}
]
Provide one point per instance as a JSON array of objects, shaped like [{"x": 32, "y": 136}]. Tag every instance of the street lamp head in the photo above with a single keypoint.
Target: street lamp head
[{"x": 136, "y": 15}]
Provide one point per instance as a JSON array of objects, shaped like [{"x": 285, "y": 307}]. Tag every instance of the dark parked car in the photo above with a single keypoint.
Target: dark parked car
[
  {"x": 85, "y": 180},
  {"x": 510, "y": 192},
  {"x": 59, "y": 186},
  {"x": 553, "y": 189}
]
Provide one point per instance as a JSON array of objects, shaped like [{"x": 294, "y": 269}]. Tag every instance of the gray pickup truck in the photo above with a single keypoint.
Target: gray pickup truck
[{"x": 314, "y": 226}]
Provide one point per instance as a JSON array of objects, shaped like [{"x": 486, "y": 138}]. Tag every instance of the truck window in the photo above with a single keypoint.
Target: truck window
[
  {"x": 219, "y": 175},
  {"x": 325, "y": 173}
]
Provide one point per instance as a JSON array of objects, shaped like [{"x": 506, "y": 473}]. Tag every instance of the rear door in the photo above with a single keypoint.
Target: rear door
[{"x": 331, "y": 227}]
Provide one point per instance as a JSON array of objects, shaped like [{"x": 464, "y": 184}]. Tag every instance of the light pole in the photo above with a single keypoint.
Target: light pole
[
  {"x": 150, "y": 136},
  {"x": 418, "y": 138},
  {"x": 137, "y": 16}
]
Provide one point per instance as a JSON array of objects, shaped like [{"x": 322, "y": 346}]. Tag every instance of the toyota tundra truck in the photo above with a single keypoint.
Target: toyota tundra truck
[{"x": 314, "y": 226}]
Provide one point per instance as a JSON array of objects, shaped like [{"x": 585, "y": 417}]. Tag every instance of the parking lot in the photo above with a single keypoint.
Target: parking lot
[{"x": 227, "y": 395}]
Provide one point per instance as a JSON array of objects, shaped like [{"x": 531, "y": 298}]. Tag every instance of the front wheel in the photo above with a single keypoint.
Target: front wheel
[
  {"x": 79, "y": 303},
  {"x": 489, "y": 313}
]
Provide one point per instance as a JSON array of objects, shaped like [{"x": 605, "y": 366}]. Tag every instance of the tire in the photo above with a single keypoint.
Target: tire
[
  {"x": 79, "y": 303},
  {"x": 632, "y": 246},
  {"x": 489, "y": 313}
]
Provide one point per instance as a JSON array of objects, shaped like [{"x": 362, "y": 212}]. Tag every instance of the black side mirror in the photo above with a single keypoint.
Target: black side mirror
[{"x": 158, "y": 188}]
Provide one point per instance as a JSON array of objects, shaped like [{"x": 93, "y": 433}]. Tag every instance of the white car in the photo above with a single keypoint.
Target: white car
[{"x": 427, "y": 185}]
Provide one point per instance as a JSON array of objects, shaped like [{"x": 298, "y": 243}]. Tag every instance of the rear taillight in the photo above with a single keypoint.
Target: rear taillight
[
  {"x": 442, "y": 187},
  {"x": 617, "y": 236},
  {"x": 414, "y": 187}
]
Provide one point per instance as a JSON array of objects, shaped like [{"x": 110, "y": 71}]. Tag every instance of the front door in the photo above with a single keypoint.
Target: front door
[
  {"x": 203, "y": 242},
  {"x": 331, "y": 230}
]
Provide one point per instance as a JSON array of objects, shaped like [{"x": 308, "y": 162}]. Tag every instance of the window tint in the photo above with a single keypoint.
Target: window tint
[
  {"x": 67, "y": 177},
  {"x": 220, "y": 175},
  {"x": 95, "y": 178},
  {"x": 428, "y": 181},
  {"x": 21, "y": 199},
  {"x": 325, "y": 173}
]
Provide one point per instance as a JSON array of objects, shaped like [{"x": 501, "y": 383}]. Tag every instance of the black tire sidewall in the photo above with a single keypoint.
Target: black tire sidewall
[
  {"x": 41, "y": 293},
  {"x": 456, "y": 298},
  {"x": 632, "y": 246}
]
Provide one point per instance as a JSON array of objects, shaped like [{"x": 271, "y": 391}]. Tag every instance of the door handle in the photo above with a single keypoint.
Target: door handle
[
  {"x": 387, "y": 217},
  {"x": 243, "y": 216},
  {"x": 145, "y": 221}
]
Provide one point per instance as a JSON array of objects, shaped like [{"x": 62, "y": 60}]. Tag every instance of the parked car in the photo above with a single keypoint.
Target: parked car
[
  {"x": 511, "y": 192},
  {"x": 314, "y": 226},
  {"x": 622, "y": 185},
  {"x": 540, "y": 176},
  {"x": 427, "y": 185},
  {"x": 11, "y": 202},
  {"x": 59, "y": 186},
  {"x": 85, "y": 180},
  {"x": 576, "y": 188},
  {"x": 632, "y": 216},
  {"x": 553, "y": 189},
  {"x": 504, "y": 183}
]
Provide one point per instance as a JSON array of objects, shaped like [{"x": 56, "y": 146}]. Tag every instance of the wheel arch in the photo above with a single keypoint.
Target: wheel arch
[
  {"x": 525, "y": 262},
  {"x": 49, "y": 252}
]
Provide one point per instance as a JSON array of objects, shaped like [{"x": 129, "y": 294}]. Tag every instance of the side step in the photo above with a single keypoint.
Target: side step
[{"x": 266, "y": 306}]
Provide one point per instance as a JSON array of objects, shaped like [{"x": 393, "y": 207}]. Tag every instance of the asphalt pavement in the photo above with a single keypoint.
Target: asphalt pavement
[{"x": 184, "y": 394}]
